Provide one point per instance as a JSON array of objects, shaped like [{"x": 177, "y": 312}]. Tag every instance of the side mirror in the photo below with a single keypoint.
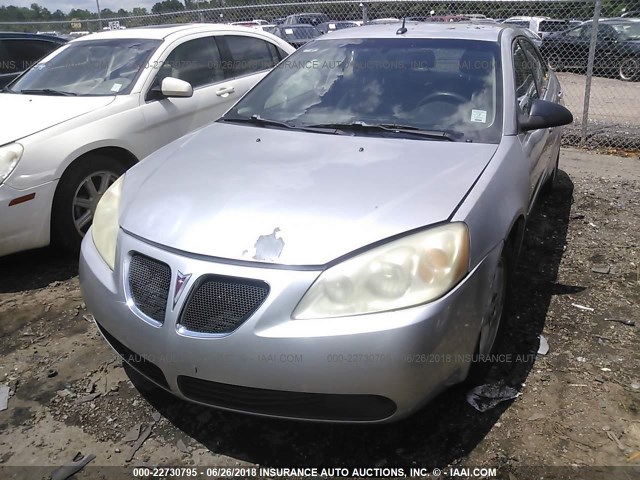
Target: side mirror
[
  {"x": 546, "y": 114},
  {"x": 174, "y": 87}
]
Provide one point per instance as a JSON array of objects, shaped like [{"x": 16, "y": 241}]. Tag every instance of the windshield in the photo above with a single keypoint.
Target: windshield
[
  {"x": 450, "y": 86},
  {"x": 629, "y": 31},
  {"x": 91, "y": 67}
]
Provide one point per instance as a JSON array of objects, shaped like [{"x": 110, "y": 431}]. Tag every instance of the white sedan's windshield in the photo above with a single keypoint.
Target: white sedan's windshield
[
  {"x": 90, "y": 67},
  {"x": 431, "y": 84}
]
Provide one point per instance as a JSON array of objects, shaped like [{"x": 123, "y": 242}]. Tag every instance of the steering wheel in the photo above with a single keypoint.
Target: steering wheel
[{"x": 448, "y": 97}]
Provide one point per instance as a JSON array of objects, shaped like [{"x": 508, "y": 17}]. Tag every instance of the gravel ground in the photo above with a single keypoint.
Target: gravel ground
[{"x": 579, "y": 405}]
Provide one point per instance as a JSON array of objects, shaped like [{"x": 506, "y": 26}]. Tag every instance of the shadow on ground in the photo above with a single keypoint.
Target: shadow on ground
[
  {"x": 36, "y": 269},
  {"x": 444, "y": 431}
]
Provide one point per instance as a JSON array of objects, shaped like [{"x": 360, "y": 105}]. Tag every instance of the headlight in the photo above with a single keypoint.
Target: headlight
[
  {"x": 9, "y": 157},
  {"x": 403, "y": 273},
  {"x": 105, "y": 223}
]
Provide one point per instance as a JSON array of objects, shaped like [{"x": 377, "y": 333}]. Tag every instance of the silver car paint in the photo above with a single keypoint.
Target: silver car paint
[
  {"x": 300, "y": 183},
  {"x": 448, "y": 326},
  {"x": 497, "y": 202}
]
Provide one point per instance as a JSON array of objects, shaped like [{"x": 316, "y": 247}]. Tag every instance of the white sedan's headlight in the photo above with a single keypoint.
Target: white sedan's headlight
[
  {"x": 105, "y": 223},
  {"x": 9, "y": 157},
  {"x": 409, "y": 271}
]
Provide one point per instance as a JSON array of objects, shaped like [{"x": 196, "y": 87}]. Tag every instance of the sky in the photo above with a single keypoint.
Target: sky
[{"x": 66, "y": 5}]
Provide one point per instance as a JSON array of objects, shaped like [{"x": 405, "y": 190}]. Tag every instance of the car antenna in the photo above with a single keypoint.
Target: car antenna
[{"x": 402, "y": 29}]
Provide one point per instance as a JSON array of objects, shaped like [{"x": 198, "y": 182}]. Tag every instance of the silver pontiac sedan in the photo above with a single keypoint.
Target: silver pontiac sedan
[{"x": 339, "y": 245}]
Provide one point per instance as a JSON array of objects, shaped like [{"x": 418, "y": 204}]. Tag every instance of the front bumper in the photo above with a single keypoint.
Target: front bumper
[
  {"x": 25, "y": 225},
  {"x": 368, "y": 368}
]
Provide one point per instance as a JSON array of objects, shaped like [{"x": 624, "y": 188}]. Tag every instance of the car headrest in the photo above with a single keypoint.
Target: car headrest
[
  {"x": 477, "y": 63},
  {"x": 421, "y": 59}
]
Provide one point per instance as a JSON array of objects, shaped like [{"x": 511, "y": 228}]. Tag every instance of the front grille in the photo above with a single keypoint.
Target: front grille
[
  {"x": 149, "y": 282},
  {"x": 316, "y": 406},
  {"x": 141, "y": 364},
  {"x": 221, "y": 304}
]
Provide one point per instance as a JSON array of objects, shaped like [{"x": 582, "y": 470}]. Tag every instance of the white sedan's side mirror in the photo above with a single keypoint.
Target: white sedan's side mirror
[{"x": 174, "y": 87}]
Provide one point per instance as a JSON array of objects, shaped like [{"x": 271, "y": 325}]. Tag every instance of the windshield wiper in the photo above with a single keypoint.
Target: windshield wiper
[
  {"x": 388, "y": 127},
  {"x": 48, "y": 91},
  {"x": 258, "y": 120}
]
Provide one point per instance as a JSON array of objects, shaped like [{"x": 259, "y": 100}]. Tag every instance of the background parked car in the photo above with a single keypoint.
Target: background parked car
[
  {"x": 18, "y": 51},
  {"x": 541, "y": 26},
  {"x": 534, "y": 37},
  {"x": 335, "y": 25},
  {"x": 306, "y": 18},
  {"x": 617, "y": 48},
  {"x": 295, "y": 35},
  {"x": 93, "y": 108}
]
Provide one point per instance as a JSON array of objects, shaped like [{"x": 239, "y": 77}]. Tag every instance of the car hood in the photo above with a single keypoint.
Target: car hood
[
  {"x": 29, "y": 114},
  {"x": 290, "y": 197}
]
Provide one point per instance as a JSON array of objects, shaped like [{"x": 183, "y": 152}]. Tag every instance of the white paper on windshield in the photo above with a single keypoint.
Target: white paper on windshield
[
  {"x": 288, "y": 31},
  {"x": 332, "y": 26},
  {"x": 116, "y": 87},
  {"x": 479, "y": 116}
]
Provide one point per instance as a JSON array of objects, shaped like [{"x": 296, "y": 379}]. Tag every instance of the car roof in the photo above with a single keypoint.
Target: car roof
[
  {"x": 164, "y": 31},
  {"x": 32, "y": 36},
  {"x": 458, "y": 30}
]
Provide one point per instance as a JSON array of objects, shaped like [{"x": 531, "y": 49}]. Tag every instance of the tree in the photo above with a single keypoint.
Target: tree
[{"x": 167, "y": 6}]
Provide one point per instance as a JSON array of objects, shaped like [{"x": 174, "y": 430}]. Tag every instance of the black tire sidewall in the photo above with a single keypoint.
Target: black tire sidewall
[
  {"x": 63, "y": 231},
  {"x": 479, "y": 370}
]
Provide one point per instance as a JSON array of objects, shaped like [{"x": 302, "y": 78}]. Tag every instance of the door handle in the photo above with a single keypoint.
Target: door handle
[{"x": 225, "y": 91}]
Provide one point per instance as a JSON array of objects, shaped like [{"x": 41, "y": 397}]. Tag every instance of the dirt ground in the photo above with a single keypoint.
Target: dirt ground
[{"x": 579, "y": 404}]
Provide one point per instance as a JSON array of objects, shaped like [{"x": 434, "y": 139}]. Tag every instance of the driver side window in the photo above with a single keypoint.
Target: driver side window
[
  {"x": 196, "y": 61},
  {"x": 525, "y": 85}
]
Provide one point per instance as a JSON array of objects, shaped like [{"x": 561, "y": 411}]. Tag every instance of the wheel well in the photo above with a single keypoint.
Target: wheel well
[
  {"x": 127, "y": 158},
  {"x": 514, "y": 240},
  {"x": 121, "y": 155}
]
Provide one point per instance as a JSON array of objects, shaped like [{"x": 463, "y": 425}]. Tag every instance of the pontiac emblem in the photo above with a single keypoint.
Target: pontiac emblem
[{"x": 181, "y": 280}]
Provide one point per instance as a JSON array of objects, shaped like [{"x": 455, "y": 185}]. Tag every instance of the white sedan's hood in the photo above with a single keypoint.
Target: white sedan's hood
[{"x": 24, "y": 115}]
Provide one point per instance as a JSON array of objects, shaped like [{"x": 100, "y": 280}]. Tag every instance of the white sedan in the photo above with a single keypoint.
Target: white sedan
[{"x": 77, "y": 120}]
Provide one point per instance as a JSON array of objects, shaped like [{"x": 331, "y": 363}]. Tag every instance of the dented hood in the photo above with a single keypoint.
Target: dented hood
[{"x": 290, "y": 197}]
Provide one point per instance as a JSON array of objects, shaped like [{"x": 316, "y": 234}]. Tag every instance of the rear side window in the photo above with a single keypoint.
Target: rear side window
[
  {"x": 21, "y": 54},
  {"x": 248, "y": 55}
]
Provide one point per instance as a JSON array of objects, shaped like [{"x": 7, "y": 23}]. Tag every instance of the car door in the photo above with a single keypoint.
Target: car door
[
  {"x": 246, "y": 60},
  {"x": 535, "y": 142},
  {"x": 217, "y": 82},
  {"x": 549, "y": 90},
  {"x": 194, "y": 59}
]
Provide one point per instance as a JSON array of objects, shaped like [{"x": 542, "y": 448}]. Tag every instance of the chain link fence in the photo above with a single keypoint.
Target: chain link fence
[{"x": 594, "y": 45}]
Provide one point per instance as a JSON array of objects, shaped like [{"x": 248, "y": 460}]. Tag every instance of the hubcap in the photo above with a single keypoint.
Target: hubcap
[
  {"x": 494, "y": 310},
  {"x": 87, "y": 197},
  {"x": 628, "y": 69}
]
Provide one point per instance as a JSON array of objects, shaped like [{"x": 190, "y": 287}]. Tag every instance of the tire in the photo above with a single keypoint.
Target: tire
[
  {"x": 550, "y": 183},
  {"x": 491, "y": 330},
  {"x": 78, "y": 192},
  {"x": 629, "y": 69}
]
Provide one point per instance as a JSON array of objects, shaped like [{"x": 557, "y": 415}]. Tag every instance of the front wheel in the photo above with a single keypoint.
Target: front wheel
[
  {"x": 77, "y": 196},
  {"x": 629, "y": 69},
  {"x": 492, "y": 319}
]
